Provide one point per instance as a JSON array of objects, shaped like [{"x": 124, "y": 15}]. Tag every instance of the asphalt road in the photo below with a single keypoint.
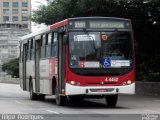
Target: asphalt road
[{"x": 15, "y": 101}]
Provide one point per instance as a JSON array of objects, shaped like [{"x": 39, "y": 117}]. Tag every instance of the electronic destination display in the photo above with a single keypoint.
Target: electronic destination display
[
  {"x": 106, "y": 24},
  {"x": 99, "y": 24}
]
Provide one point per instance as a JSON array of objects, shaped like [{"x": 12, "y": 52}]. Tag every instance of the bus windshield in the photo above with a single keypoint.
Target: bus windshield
[{"x": 100, "y": 49}]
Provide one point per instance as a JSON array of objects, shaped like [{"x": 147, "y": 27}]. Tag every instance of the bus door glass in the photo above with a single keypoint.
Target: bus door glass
[{"x": 37, "y": 59}]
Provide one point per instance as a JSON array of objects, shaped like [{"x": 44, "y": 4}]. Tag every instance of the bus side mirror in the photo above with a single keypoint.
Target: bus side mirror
[{"x": 65, "y": 39}]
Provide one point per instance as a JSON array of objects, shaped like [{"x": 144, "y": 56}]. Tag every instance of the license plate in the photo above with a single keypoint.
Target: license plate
[
  {"x": 101, "y": 90},
  {"x": 98, "y": 90}
]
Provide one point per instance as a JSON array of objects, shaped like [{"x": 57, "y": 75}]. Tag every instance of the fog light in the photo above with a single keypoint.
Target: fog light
[{"x": 129, "y": 82}]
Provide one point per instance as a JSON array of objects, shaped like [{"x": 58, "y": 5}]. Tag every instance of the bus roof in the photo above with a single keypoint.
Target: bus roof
[
  {"x": 45, "y": 30},
  {"x": 109, "y": 18},
  {"x": 64, "y": 22}
]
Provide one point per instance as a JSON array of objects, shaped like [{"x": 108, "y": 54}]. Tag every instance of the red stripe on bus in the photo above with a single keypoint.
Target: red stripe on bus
[{"x": 59, "y": 24}]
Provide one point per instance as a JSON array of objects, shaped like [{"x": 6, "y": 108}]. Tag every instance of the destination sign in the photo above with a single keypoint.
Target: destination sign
[
  {"x": 106, "y": 24},
  {"x": 99, "y": 24},
  {"x": 80, "y": 24}
]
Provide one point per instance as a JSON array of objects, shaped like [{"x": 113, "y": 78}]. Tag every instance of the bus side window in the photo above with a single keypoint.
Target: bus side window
[
  {"x": 54, "y": 45},
  {"x": 43, "y": 47},
  {"x": 48, "y": 44},
  {"x": 32, "y": 49},
  {"x": 28, "y": 51}
]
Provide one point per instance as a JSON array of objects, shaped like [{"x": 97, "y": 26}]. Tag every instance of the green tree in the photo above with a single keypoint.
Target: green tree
[
  {"x": 61, "y": 9},
  {"x": 12, "y": 67}
]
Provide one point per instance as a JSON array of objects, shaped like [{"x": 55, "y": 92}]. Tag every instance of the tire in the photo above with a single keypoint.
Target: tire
[
  {"x": 76, "y": 98},
  {"x": 111, "y": 100},
  {"x": 60, "y": 100},
  {"x": 41, "y": 97},
  {"x": 33, "y": 96}
]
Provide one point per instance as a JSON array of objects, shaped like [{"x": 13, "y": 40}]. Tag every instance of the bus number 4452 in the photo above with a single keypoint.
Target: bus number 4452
[{"x": 111, "y": 79}]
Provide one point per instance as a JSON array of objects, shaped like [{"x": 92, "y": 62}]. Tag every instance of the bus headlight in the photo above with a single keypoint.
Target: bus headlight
[
  {"x": 129, "y": 82},
  {"x": 72, "y": 82}
]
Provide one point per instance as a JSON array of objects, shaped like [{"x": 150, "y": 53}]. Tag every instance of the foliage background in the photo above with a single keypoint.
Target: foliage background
[
  {"x": 145, "y": 17},
  {"x": 12, "y": 67}
]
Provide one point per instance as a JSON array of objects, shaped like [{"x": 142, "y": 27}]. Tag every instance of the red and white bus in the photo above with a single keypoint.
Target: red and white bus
[{"x": 79, "y": 58}]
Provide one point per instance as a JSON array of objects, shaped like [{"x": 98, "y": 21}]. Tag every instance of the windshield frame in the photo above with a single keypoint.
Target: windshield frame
[{"x": 102, "y": 71}]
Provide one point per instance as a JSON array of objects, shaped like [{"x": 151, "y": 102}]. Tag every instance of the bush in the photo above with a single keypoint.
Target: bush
[{"x": 12, "y": 67}]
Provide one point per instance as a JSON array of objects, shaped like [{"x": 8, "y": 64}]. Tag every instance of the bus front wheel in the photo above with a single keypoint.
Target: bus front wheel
[
  {"x": 111, "y": 100},
  {"x": 60, "y": 100}
]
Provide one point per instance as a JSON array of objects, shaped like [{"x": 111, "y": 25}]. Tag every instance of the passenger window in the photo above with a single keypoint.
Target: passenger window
[
  {"x": 50, "y": 37},
  {"x": 32, "y": 49},
  {"x": 48, "y": 44},
  {"x": 28, "y": 51},
  {"x": 43, "y": 47},
  {"x": 43, "y": 40},
  {"x": 54, "y": 45}
]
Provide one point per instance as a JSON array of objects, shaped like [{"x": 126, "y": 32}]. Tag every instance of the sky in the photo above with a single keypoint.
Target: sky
[{"x": 35, "y": 4}]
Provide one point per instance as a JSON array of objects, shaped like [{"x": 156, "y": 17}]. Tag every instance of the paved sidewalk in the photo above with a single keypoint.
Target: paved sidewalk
[{"x": 11, "y": 81}]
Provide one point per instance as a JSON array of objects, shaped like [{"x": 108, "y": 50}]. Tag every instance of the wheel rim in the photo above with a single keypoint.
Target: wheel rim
[{"x": 111, "y": 100}]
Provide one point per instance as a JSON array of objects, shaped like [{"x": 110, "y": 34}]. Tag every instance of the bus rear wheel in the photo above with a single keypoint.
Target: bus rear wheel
[
  {"x": 111, "y": 100},
  {"x": 60, "y": 100},
  {"x": 33, "y": 96},
  {"x": 41, "y": 97}
]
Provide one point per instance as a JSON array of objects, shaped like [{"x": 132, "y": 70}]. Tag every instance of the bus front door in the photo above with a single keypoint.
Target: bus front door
[{"x": 61, "y": 64}]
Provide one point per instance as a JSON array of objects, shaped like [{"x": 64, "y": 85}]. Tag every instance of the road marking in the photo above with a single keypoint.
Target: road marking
[
  {"x": 18, "y": 102},
  {"x": 50, "y": 111},
  {"x": 153, "y": 111}
]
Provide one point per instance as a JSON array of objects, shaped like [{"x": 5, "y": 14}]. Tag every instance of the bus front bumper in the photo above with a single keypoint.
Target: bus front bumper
[{"x": 99, "y": 90}]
